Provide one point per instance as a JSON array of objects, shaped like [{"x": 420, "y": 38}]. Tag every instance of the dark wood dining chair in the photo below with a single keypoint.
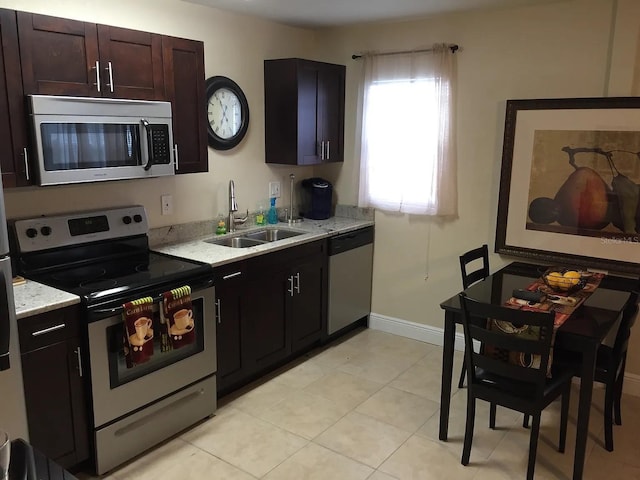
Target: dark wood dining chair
[
  {"x": 610, "y": 366},
  {"x": 507, "y": 333},
  {"x": 480, "y": 272}
]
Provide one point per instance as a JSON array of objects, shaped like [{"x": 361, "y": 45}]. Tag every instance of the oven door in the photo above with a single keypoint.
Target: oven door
[{"x": 118, "y": 390}]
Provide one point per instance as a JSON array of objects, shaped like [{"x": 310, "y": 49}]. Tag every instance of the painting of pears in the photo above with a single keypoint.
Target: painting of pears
[{"x": 585, "y": 183}]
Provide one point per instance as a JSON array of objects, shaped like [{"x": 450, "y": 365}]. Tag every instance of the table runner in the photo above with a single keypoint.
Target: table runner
[{"x": 562, "y": 304}]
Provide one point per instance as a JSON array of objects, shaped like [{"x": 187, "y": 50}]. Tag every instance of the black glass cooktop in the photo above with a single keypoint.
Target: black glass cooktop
[{"x": 122, "y": 277}]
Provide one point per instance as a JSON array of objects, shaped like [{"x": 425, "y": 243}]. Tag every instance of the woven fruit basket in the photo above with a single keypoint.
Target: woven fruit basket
[{"x": 564, "y": 279}]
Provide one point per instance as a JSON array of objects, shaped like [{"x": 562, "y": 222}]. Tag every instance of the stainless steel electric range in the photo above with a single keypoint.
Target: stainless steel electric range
[{"x": 104, "y": 257}]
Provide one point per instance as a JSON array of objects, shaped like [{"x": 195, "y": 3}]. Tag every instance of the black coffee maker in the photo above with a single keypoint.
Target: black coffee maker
[{"x": 317, "y": 194}]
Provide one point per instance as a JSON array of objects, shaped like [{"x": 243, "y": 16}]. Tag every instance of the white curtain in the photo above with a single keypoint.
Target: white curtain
[{"x": 408, "y": 154}]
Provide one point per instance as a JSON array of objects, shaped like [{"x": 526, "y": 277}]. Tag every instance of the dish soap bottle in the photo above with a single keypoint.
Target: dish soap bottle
[{"x": 272, "y": 216}]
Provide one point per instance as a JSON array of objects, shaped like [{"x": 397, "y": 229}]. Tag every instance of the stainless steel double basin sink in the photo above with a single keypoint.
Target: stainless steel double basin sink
[{"x": 254, "y": 238}]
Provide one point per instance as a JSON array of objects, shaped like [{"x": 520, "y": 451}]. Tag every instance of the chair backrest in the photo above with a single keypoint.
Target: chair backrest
[
  {"x": 469, "y": 278},
  {"x": 516, "y": 346},
  {"x": 629, "y": 315}
]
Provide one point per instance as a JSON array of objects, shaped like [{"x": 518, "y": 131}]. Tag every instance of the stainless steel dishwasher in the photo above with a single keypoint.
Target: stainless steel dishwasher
[{"x": 350, "y": 272}]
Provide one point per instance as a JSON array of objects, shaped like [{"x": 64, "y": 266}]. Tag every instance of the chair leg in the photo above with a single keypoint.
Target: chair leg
[
  {"x": 608, "y": 415},
  {"x": 533, "y": 446},
  {"x": 525, "y": 421},
  {"x": 492, "y": 416},
  {"x": 617, "y": 410},
  {"x": 463, "y": 373},
  {"x": 468, "y": 431},
  {"x": 564, "y": 418}
]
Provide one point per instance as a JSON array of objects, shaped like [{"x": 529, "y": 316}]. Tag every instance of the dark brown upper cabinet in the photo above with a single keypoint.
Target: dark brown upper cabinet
[
  {"x": 184, "y": 85},
  {"x": 304, "y": 111},
  {"x": 13, "y": 122},
  {"x": 69, "y": 57}
]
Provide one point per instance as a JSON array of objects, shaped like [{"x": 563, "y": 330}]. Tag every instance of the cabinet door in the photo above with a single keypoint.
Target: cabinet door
[
  {"x": 55, "y": 403},
  {"x": 307, "y": 306},
  {"x": 13, "y": 124},
  {"x": 309, "y": 130},
  {"x": 229, "y": 333},
  {"x": 264, "y": 303},
  {"x": 55, "y": 395},
  {"x": 58, "y": 55},
  {"x": 331, "y": 111},
  {"x": 184, "y": 83},
  {"x": 130, "y": 63}
]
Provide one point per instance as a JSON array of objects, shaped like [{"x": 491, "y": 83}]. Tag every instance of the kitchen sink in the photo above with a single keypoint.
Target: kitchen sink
[
  {"x": 254, "y": 238},
  {"x": 271, "y": 234},
  {"x": 236, "y": 242}
]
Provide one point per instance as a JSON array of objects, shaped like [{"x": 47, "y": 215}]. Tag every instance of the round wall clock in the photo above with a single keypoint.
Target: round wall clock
[{"x": 227, "y": 113}]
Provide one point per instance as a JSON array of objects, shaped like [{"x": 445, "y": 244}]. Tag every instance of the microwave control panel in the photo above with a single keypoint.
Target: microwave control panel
[{"x": 159, "y": 144}]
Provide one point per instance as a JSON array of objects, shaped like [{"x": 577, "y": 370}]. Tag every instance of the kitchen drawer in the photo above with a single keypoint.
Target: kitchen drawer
[{"x": 48, "y": 328}]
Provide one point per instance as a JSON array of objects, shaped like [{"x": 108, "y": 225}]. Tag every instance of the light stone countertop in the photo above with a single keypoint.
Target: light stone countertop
[
  {"x": 199, "y": 250},
  {"x": 186, "y": 241},
  {"x": 33, "y": 298}
]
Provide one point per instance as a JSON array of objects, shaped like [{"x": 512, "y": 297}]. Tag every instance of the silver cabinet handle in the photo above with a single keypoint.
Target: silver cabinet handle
[
  {"x": 77, "y": 352},
  {"x": 328, "y": 150},
  {"x": 176, "y": 157},
  {"x": 298, "y": 282},
  {"x": 322, "y": 150},
  {"x": 97, "y": 67},
  {"x": 231, "y": 275},
  {"x": 26, "y": 162},
  {"x": 110, "y": 70},
  {"x": 290, "y": 289},
  {"x": 48, "y": 330},
  {"x": 218, "y": 314}
]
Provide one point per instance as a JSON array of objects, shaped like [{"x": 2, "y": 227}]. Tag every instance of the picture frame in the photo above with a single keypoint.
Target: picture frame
[{"x": 570, "y": 183}]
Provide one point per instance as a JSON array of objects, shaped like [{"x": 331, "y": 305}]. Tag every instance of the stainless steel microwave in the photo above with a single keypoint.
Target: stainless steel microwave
[{"x": 82, "y": 139}]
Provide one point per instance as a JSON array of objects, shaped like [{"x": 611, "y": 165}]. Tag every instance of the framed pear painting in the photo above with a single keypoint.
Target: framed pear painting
[{"x": 570, "y": 182}]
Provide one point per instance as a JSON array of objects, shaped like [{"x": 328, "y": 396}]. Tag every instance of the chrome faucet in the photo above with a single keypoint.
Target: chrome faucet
[{"x": 233, "y": 208}]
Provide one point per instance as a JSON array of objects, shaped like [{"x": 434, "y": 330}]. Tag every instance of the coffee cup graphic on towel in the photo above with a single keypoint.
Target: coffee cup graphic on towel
[{"x": 183, "y": 319}]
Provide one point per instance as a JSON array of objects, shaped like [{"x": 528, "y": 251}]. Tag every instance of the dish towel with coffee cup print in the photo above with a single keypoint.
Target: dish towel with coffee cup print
[
  {"x": 177, "y": 314},
  {"x": 138, "y": 332},
  {"x": 561, "y": 304}
]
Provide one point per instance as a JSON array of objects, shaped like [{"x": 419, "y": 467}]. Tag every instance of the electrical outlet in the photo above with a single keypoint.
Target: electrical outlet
[
  {"x": 274, "y": 189},
  {"x": 167, "y": 204}
]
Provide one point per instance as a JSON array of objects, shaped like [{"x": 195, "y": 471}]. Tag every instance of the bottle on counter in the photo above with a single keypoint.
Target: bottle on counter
[
  {"x": 272, "y": 216},
  {"x": 261, "y": 215},
  {"x": 221, "y": 226}
]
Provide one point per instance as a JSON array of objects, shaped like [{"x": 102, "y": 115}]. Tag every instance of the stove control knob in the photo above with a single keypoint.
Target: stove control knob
[
  {"x": 126, "y": 219},
  {"x": 137, "y": 218},
  {"x": 32, "y": 232},
  {"x": 46, "y": 231}
]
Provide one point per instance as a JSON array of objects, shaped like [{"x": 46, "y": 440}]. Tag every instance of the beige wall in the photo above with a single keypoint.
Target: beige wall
[
  {"x": 556, "y": 50},
  {"x": 235, "y": 46}
]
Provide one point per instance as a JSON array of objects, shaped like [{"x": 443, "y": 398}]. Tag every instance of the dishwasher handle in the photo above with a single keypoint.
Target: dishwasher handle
[{"x": 350, "y": 240}]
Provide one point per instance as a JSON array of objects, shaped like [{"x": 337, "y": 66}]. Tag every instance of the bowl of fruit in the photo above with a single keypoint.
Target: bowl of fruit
[{"x": 564, "y": 279}]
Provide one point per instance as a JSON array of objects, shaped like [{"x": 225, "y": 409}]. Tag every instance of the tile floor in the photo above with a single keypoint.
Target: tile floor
[{"x": 366, "y": 407}]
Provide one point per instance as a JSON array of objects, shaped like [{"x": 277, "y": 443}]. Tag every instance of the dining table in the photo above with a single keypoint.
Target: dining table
[{"x": 583, "y": 331}]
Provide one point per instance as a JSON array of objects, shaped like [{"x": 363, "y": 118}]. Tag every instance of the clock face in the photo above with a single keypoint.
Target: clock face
[{"x": 225, "y": 113}]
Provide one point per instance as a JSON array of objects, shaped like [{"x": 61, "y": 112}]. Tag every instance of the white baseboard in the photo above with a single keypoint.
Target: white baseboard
[{"x": 434, "y": 335}]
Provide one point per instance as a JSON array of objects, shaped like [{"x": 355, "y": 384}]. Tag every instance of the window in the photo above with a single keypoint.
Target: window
[{"x": 408, "y": 157}]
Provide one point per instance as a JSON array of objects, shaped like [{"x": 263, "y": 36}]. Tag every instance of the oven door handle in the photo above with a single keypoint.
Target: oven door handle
[{"x": 109, "y": 312}]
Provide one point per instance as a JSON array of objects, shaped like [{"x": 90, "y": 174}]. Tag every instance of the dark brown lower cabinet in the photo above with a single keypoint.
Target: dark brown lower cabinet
[
  {"x": 269, "y": 309},
  {"x": 55, "y": 396}
]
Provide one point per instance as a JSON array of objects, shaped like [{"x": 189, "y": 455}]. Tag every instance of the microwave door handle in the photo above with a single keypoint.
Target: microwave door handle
[{"x": 147, "y": 127}]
